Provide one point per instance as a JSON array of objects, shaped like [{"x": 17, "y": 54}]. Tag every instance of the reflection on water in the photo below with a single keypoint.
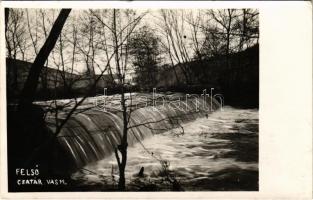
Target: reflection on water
[{"x": 215, "y": 153}]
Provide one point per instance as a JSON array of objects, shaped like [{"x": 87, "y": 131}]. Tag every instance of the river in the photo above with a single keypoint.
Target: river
[{"x": 217, "y": 153}]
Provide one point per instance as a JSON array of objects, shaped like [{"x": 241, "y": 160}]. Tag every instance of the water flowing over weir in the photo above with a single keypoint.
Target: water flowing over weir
[{"x": 93, "y": 134}]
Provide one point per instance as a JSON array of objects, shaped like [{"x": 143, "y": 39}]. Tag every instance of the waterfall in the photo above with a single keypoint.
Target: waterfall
[{"x": 94, "y": 134}]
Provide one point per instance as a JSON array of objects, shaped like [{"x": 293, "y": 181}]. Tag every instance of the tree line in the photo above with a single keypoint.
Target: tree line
[{"x": 161, "y": 39}]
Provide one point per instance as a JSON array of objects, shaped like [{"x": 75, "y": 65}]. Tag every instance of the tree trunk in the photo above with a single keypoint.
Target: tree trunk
[
  {"x": 121, "y": 182},
  {"x": 123, "y": 146},
  {"x": 29, "y": 90},
  {"x": 6, "y": 11}
]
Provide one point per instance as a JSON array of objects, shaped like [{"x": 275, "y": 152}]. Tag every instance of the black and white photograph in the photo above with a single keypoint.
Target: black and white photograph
[{"x": 118, "y": 99}]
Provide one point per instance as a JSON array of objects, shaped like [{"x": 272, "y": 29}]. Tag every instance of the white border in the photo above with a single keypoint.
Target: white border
[{"x": 285, "y": 101}]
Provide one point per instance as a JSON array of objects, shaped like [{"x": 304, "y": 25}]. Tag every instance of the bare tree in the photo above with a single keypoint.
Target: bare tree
[
  {"x": 33, "y": 33},
  {"x": 120, "y": 37},
  {"x": 88, "y": 31},
  {"x": 194, "y": 20},
  {"x": 247, "y": 24},
  {"x": 28, "y": 92},
  {"x": 173, "y": 28},
  {"x": 121, "y": 62},
  {"x": 121, "y": 27},
  {"x": 15, "y": 33},
  {"x": 223, "y": 25},
  {"x": 44, "y": 24},
  {"x": 229, "y": 30},
  {"x": 16, "y": 39}
]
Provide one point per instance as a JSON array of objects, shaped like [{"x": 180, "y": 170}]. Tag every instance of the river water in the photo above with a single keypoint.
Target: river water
[{"x": 216, "y": 153}]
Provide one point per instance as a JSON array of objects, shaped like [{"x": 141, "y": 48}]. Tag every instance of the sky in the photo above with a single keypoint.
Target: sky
[{"x": 35, "y": 27}]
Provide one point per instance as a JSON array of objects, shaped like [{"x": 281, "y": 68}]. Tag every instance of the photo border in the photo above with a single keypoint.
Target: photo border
[{"x": 285, "y": 123}]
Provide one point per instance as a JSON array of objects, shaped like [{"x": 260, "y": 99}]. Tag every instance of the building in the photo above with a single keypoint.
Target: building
[{"x": 51, "y": 80}]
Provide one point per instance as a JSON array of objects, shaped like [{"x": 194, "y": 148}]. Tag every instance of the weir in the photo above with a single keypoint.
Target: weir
[{"x": 93, "y": 134}]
